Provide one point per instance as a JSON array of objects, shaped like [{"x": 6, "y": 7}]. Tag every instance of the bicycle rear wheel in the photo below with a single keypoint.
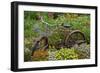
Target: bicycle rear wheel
[{"x": 75, "y": 37}]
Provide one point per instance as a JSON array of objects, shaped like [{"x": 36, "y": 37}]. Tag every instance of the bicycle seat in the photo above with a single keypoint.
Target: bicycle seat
[{"x": 66, "y": 25}]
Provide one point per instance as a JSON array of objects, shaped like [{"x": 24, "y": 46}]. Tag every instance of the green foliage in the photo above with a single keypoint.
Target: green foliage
[
  {"x": 79, "y": 52},
  {"x": 27, "y": 55},
  {"x": 81, "y": 22},
  {"x": 86, "y": 31},
  {"x": 66, "y": 54},
  {"x": 54, "y": 38}
]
